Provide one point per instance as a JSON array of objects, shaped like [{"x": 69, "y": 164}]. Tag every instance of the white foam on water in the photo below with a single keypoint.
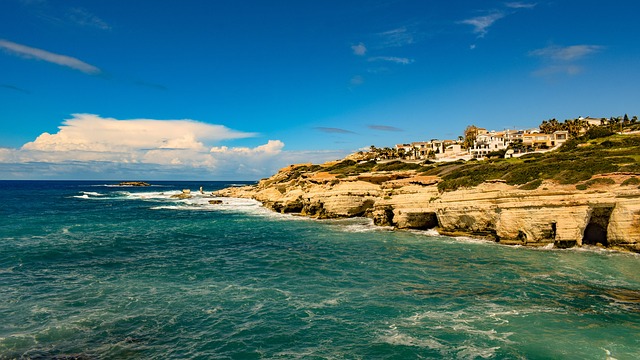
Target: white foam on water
[
  {"x": 428, "y": 232},
  {"x": 393, "y": 336},
  {"x": 473, "y": 352},
  {"x": 92, "y": 193},
  {"x": 609, "y": 357},
  {"x": 470, "y": 240},
  {"x": 360, "y": 225}
]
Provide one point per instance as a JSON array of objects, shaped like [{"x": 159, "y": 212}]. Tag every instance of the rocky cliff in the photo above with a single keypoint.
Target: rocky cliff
[{"x": 607, "y": 213}]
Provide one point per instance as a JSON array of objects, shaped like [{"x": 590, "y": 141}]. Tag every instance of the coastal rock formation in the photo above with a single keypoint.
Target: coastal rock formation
[
  {"x": 133, "y": 183},
  {"x": 606, "y": 215},
  {"x": 185, "y": 194}
]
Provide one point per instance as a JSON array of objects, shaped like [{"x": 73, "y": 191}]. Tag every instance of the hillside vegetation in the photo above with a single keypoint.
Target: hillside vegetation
[{"x": 576, "y": 162}]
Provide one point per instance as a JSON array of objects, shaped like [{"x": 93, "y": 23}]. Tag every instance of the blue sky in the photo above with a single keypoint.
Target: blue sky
[{"x": 224, "y": 90}]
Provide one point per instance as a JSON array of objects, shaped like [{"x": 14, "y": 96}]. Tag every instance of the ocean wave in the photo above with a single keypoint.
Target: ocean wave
[
  {"x": 92, "y": 193},
  {"x": 393, "y": 336}
]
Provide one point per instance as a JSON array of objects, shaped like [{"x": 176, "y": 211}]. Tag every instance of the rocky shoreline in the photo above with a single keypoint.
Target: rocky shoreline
[{"x": 606, "y": 215}]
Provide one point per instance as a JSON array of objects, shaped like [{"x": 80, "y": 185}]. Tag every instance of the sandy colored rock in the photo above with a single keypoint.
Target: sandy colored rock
[{"x": 552, "y": 214}]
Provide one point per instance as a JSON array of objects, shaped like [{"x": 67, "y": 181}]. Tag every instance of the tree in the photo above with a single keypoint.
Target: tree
[
  {"x": 470, "y": 134},
  {"x": 549, "y": 126}
]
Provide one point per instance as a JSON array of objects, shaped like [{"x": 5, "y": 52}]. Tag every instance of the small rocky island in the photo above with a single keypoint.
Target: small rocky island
[
  {"x": 585, "y": 193},
  {"x": 133, "y": 183}
]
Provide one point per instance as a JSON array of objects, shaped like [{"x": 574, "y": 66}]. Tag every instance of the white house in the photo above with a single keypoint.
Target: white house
[{"x": 489, "y": 142}]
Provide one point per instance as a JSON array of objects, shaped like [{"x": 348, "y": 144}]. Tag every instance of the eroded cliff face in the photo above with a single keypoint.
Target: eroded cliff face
[{"x": 606, "y": 215}]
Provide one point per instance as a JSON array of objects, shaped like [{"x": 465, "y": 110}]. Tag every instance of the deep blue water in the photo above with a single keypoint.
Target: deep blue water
[{"x": 96, "y": 271}]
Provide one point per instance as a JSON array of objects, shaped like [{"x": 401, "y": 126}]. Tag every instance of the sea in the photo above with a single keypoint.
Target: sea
[{"x": 92, "y": 270}]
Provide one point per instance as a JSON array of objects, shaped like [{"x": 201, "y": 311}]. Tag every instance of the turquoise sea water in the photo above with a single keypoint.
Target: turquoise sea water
[{"x": 92, "y": 271}]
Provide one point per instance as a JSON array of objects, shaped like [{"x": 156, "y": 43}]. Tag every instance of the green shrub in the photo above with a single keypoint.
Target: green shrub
[
  {"x": 497, "y": 154},
  {"x": 350, "y": 167},
  {"x": 598, "y": 132},
  {"x": 611, "y": 144},
  {"x": 631, "y": 181},
  {"x": 532, "y": 156},
  {"x": 569, "y": 145},
  {"x": 596, "y": 181},
  {"x": 621, "y": 160},
  {"x": 531, "y": 185},
  {"x": 397, "y": 166},
  {"x": 629, "y": 141},
  {"x": 524, "y": 173},
  {"x": 340, "y": 166},
  {"x": 634, "y": 168}
]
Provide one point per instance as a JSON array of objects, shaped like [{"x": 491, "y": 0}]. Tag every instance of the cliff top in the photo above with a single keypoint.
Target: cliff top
[{"x": 587, "y": 162}]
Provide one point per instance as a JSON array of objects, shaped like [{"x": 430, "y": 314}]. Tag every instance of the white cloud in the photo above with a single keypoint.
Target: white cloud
[
  {"x": 357, "y": 80},
  {"x": 83, "y": 17},
  {"x": 566, "y": 53},
  {"x": 520, "y": 5},
  {"x": 63, "y": 60},
  {"x": 396, "y": 37},
  {"x": 86, "y": 132},
  {"x": 89, "y": 146},
  {"x": 481, "y": 24},
  {"x": 359, "y": 49},
  {"x": 271, "y": 147},
  {"x": 563, "y": 59},
  {"x": 393, "y": 59}
]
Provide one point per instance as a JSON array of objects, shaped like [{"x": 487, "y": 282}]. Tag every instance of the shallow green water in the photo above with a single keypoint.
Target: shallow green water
[{"x": 105, "y": 272}]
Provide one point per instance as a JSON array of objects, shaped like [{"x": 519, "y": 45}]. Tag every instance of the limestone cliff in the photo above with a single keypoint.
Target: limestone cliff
[{"x": 607, "y": 214}]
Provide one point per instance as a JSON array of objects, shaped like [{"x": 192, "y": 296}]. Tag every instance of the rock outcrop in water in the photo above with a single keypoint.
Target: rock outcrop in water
[
  {"x": 133, "y": 183},
  {"x": 606, "y": 215}
]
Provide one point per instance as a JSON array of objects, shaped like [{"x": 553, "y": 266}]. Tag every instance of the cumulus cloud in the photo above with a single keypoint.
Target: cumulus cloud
[
  {"x": 481, "y": 24},
  {"x": 359, "y": 49},
  {"x": 87, "y": 132},
  {"x": 39, "y": 54},
  {"x": 393, "y": 59},
  {"x": 271, "y": 147},
  {"x": 92, "y": 147},
  {"x": 566, "y": 53}
]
